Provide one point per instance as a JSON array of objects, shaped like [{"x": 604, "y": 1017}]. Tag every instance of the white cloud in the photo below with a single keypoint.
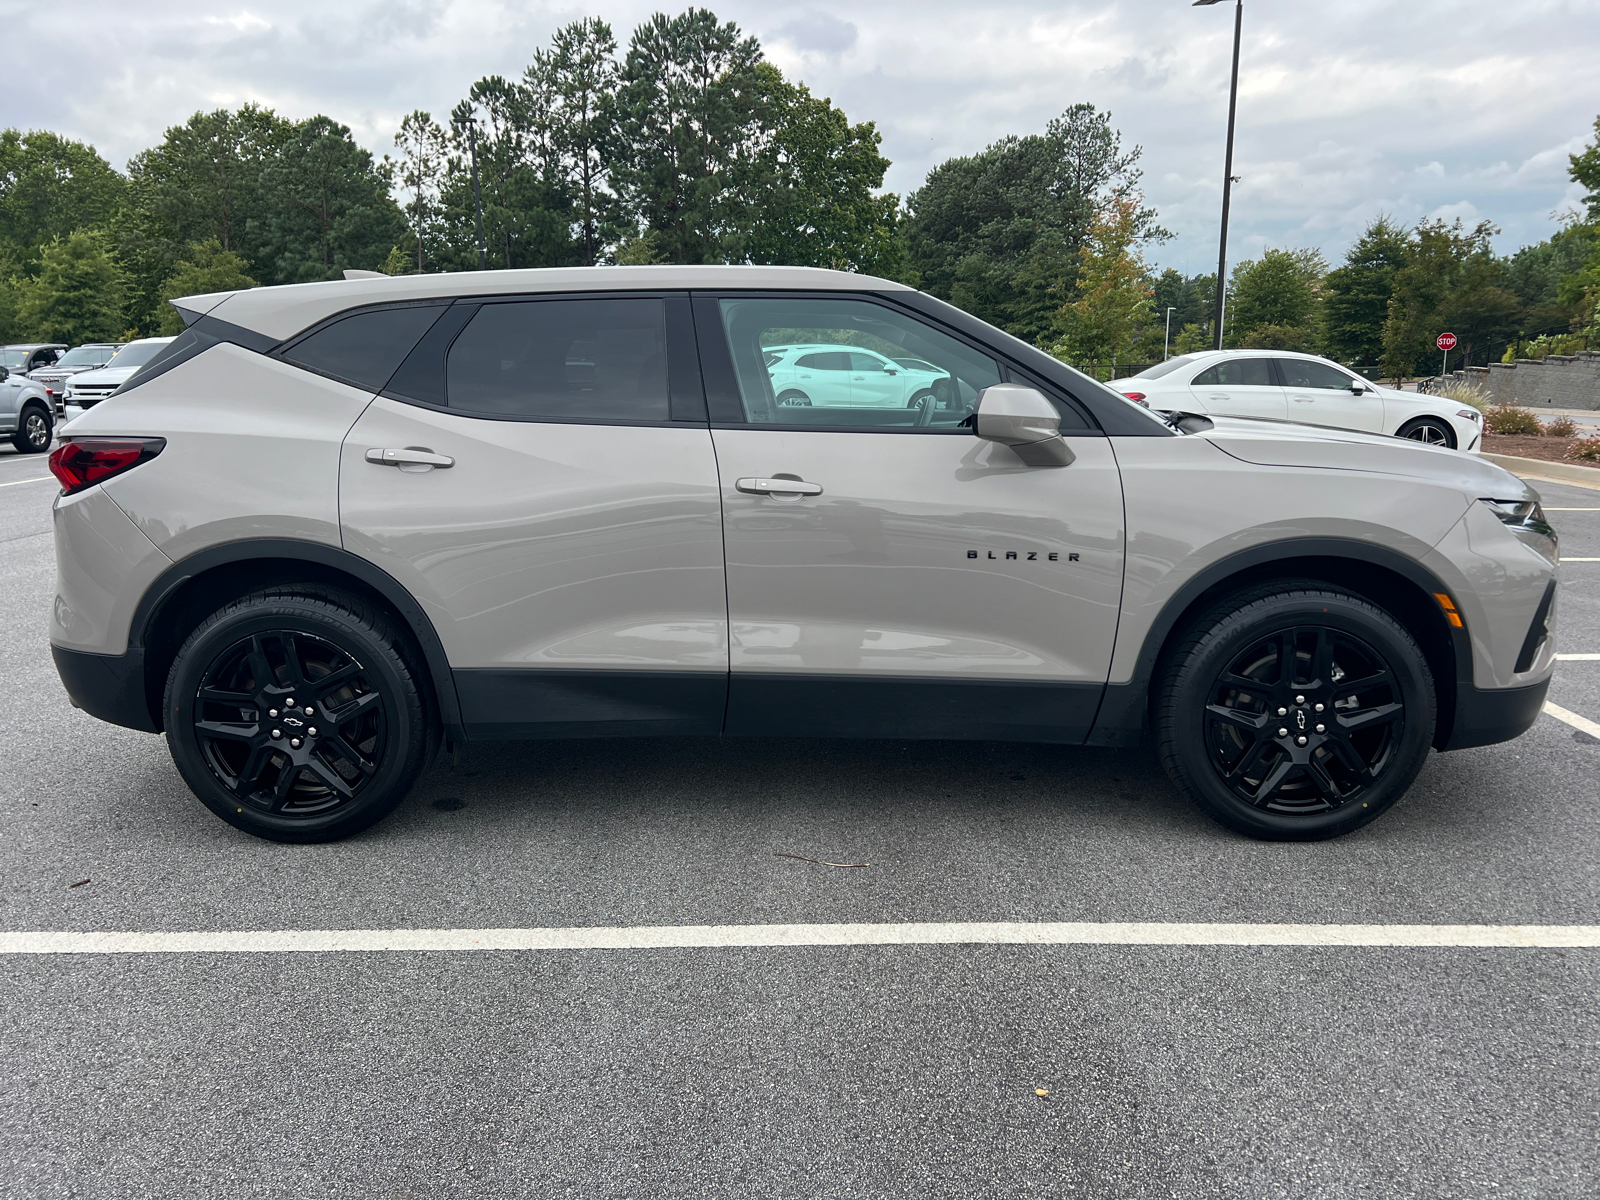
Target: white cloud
[{"x": 1339, "y": 119}]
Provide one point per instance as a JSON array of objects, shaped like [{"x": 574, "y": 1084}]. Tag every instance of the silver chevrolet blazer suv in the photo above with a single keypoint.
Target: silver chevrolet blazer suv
[{"x": 337, "y": 527}]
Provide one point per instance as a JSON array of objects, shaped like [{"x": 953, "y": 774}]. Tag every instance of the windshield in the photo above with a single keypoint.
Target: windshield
[
  {"x": 136, "y": 354},
  {"x": 1167, "y": 368},
  {"x": 13, "y": 359},
  {"x": 86, "y": 356}
]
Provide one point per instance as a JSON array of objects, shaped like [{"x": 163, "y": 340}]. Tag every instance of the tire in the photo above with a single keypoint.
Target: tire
[
  {"x": 1431, "y": 430},
  {"x": 34, "y": 430},
  {"x": 926, "y": 395},
  {"x": 311, "y": 645},
  {"x": 1222, "y": 698},
  {"x": 794, "y": 398}
]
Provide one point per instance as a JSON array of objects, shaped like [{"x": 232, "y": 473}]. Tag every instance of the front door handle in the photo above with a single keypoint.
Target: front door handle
[
  {"x": 778, "y": 487},
  {"x": 410, "y": 456},
  {"x": 1305, "y": 399}
]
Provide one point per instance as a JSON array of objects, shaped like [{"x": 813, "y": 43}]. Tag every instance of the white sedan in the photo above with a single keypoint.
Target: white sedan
[
  {"x": 825, "y": 376},
  {"x": 1278, "y": 385}
]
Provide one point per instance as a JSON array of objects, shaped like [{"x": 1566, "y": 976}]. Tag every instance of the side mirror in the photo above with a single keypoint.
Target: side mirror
[
  {"x": 1020, "y": 417},
  {"x": 4, "y": 374},
  {"x": 1358, "y": 387}
]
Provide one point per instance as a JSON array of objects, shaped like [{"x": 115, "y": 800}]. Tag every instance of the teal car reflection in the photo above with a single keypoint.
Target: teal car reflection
[{"x": 849, "y": 377}]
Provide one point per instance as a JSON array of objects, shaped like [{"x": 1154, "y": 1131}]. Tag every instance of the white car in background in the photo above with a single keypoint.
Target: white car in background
[
  {"x": 851, "y": 377},
  {"x": 85, "y": 390},
  {"x": 1278, "y": 385}
]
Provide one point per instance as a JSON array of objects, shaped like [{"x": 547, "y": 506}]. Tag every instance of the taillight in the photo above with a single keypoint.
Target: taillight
[
  {"x": 84, "y": 462},
  {"x": 1136, "y": 397}
]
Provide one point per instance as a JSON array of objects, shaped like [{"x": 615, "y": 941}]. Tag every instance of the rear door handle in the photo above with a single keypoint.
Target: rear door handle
[
  {"x": 410, "y": 456},
  {"x": 777, "y": 487}
]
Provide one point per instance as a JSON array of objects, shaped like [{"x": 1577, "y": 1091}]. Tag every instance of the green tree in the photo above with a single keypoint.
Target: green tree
[
  {"x": 207, "y": 267},
  {"x": 1273, "y": 301},
  {"x": 1585, "y": 169},
  {"x": 77, "y": 295},
  {"x": 1355, "y": 301},
  {"x": 812, "y": 193},
  {"x": 51, "y": 186},
  {"x": 424, "y": 151},
  {"x": 998, "y": 233},
  {"x": 1451, "y": 281},
  {"x": 331, "y": 208},
  {"x": 689, "y": 107},
  {"x": 576, "y": 83},
  {"x": 1113, "y": 290}
]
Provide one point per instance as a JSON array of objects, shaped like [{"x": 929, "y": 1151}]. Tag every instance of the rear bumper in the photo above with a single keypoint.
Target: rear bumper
[
  {"x": 108, "y": 686},
  {"x": 1485, "y": 716}
]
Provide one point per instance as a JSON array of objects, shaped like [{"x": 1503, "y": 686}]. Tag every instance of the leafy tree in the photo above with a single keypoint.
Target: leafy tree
[
  {"x": 1451, "y": 280},
  {"x": 424, "y": 150},
  {"x": 1273, "y": 301},
  {"x": 1585, "y": 169},
  {"x": 689, "y": 105},
  {"x": 1356, "y": 295},
  {"x": 207, "y": 267},
  {"x": 51, "y": 186},
  {"x": 576, "y": 84},
  {"x": 77, "y": 295},
  {"x": 811, "y": 194},
  {"x": 1113, "y": 289},
  {"x": 330, "y": 206},
  {"x": 998, "y": 233}
]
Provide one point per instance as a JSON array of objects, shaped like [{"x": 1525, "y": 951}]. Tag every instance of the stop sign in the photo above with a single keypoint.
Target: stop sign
[{"x": 1447, "y": 341}]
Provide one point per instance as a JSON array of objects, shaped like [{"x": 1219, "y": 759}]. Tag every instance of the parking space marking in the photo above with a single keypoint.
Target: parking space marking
[
  {"x": 1578, "y": 658},
  {"x": 677, "y": 937},
  {"x": 1549, "y": 509},
  {"x": 1580, "y": 560},
  {"x": 1592, "y": 728},
  {"x": 20, "y": 482}
]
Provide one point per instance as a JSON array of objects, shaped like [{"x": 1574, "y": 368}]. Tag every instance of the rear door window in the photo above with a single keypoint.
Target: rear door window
[
  {"x": 1237, "y": 372},
  {"x": 562, "y": 360}
]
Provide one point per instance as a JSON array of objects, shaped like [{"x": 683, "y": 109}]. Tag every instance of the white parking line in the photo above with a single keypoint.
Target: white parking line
[
  {"x": 1547, "y": 508},
  {"x": 670, "y": 937},
  {"x": 1592, "y": 728},
  {"x": 1580, "y": 560},
  {"x": 1578, "y": 658},
  {"x": 20, "y": 482}
]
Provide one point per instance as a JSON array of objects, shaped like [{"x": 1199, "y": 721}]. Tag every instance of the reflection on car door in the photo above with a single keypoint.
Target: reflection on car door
[
  {"x": 933, "y": 585},
  {"x": 1319, "y": 394},
  {"x": 570, "y": 554},
  {"x": 1239, "y": 387},
  {"x": 874, "y": 381}
]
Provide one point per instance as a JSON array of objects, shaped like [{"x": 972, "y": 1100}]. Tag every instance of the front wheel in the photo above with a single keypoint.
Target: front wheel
[
  {"x": 1430, "y": 430},
  {"x": 293, "y": 714},
  {"x": 1295, "y": 712},
  {"x": 33, "y": 431}
]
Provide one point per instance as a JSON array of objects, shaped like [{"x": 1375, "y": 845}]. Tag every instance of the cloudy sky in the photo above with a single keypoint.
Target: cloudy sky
[{"x": 1347, "y": 108}]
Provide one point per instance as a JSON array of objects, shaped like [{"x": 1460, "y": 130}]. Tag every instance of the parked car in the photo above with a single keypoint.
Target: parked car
[
  {"x": 1279, "y": 385},
  {"x": 27, "y": 413},
  {"x": 88, "y": 388},
  {"x": 334, "y": 525},
  {"x": 87, "y": 357},
  {"x": 833, "y": 376},
  {"x": 23, "y": 358}
]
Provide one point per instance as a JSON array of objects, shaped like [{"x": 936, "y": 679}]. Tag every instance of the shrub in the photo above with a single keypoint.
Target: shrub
[
  {"x": 1509, "y": 420},
  {"x": 1585, "y": 449},
  {"x": 1463, "y": 392},
  {"x": 1562, "y": 427}
]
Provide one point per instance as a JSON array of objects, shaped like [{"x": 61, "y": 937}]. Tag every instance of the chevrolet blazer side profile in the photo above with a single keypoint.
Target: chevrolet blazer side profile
[{"x": 334, "y": 526}]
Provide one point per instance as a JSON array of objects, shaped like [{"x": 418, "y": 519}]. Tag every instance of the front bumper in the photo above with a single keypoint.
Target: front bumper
[{"x": 1487, "y": 716}]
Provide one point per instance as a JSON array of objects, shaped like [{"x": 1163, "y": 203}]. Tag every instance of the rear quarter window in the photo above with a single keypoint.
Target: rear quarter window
[{"x": 365, "y": 348}]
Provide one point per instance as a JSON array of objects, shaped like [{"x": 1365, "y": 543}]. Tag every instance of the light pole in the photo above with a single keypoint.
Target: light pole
[
  {"x": 1227, "y": 170},
  {"x": 1165, "y": 352}
]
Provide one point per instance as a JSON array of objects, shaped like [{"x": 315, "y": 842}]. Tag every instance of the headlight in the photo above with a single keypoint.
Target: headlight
[
  {"x": 69, "y": 393},
  {"x": 1526, "y": 519},
  {"x": 1470, "y": 414}
]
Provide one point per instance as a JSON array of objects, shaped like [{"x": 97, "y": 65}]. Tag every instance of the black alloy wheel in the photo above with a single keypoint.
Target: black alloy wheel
[
  {"x": 293, "y": 714},
  {"x": 1430, "y": 431},
  {"x": 1295, "y": 711},
  {"x": 33, "y": 431}
]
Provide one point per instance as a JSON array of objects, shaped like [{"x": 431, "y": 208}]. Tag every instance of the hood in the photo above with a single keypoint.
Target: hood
[
  {"x": 1283, "y": 444},
  {"x": 103, "y": 375}
]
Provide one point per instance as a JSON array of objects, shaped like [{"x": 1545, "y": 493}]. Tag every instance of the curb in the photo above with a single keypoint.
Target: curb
[{"x": 1554, "y": 471}]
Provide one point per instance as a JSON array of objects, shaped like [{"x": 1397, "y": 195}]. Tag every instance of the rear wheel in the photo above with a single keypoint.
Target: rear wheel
[
  {"x": 1432, "y": 430},
  {"x": 794, "y": 398},
  {"x": 33, "y": 431},
  {"x": 1295, "y": 712},
  {"x": 294, "y": 715}
]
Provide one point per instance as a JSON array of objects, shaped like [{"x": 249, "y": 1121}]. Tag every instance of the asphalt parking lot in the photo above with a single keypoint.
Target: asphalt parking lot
[{"x": 796, "y": 1071}]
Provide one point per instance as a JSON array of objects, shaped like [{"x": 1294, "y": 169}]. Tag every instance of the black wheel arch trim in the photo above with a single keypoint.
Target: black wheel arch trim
[
  {"x": 1124, "y": 712},
  {"x": 171, "y": 581}
]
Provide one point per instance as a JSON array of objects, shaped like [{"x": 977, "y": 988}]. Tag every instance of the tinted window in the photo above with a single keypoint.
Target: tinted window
[
  {"x": 1166, "y": 368},
  {"x": 837, "y": 396},
  {"x": 1302, "y": 373},
  {"x": 1237, "y": 372},
  {"x": 365, "y": 348},
  {"x": 553, "y": 360},
  {"x": 823, "y": 362}
]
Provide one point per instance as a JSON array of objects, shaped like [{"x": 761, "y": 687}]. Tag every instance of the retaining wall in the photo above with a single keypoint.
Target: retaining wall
[{"x": 1558, "y": 381}]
